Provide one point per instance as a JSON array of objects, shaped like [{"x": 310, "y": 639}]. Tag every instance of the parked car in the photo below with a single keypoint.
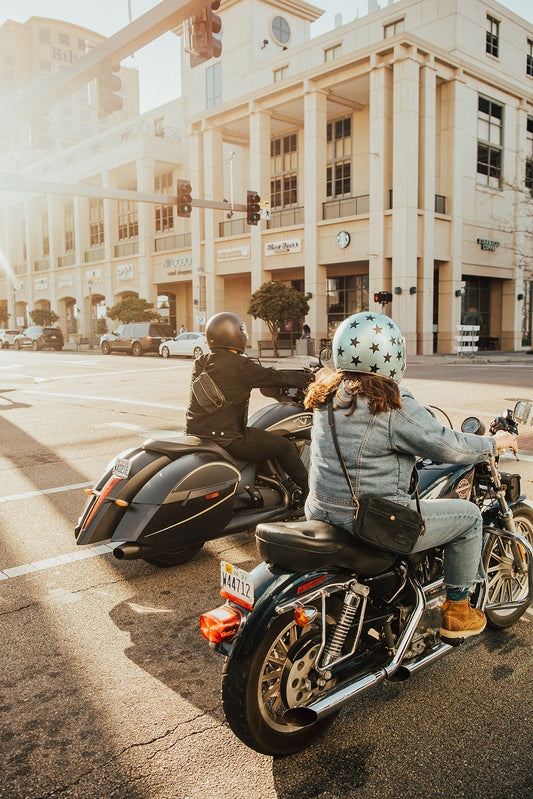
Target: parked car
[
  {"x": 40, "y": 338},
  {"x": 136, "y": 338},
  {"x": 6, "y": 337},
  {"x": 193, "y": 344}
]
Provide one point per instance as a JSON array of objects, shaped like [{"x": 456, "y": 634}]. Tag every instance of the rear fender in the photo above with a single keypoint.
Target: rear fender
[
  {"x": 101, "y": 517},
  {"x": 272, "y": 587}
]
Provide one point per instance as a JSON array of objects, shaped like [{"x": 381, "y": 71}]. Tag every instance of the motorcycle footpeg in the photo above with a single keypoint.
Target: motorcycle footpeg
[{"x": 452, "y": 641}]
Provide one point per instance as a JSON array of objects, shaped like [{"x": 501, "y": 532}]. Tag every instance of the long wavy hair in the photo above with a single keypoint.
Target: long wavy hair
[{"x": 380, "y": 393}]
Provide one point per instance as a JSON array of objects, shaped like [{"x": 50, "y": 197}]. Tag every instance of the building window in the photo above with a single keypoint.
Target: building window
[
  {"x": 44, "y": 35},
  {"x": 331, "y": 53},
  {"x": 45, "y": 236},
  {"x": 280, "y": 30},
  {"x": 392, "y": 28},
  {"x": 347, "y": 295},
  {"x": 96, "y": 221},
  {"x": 159, "y": 127},
  {"x": 284, "y": 171},
  {"x": 63, "y": 38},
  {"x": 339, "y": 157},
  {"x": 280, "y": 74},
  {"x": 529, "y": 58},
  {"x": 529, "y": 156},
  {"x": 213, "y": 78},
  {"x": 164, "y": 214},
  {"x": 69, "y": 229},
  {"x": 128, "y": 221},
  {"x": 490, "y": 142},
  {"x": 492, "y": 39},
  {"x": 81, "y": 44}
]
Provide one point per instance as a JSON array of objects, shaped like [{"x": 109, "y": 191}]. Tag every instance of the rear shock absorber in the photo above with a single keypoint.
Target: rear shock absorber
[{"x": 333, "y": 648}]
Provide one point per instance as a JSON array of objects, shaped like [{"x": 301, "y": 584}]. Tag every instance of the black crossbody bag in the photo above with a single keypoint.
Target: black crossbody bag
[{"x": 380, "y": 522}]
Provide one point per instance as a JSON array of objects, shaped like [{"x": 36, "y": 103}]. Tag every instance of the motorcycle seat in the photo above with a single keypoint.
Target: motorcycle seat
[
  {"x": 308, "y": 545},
  {"x": 186, "y": 445}
]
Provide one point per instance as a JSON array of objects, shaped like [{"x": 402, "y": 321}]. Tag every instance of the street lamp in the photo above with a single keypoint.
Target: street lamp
[{"x": 89, "y": 285}]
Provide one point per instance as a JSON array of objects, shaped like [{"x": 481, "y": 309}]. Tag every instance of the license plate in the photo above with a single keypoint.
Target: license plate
[
  {"x": 121, "y": 468},
  {"x": 237, "y": 585}
]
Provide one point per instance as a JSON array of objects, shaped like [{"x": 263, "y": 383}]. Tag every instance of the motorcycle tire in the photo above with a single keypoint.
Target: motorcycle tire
[
  {"x": 165, "y": 560},
  {"x": 254, "y": 704},
  {"x": 505, "y": 583}
]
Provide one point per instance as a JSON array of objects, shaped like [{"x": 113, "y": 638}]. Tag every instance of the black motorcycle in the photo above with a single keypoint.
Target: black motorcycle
[
  {"x": 163, "y": 500},
  {"x": 326, "y": 618}
]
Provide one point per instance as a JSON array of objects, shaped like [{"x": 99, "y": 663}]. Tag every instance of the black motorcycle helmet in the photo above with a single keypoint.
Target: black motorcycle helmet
[{"x": 227, "y": 332}]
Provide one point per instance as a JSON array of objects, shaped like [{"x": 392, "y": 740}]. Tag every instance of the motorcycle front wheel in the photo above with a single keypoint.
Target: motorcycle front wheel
[
  {"x": 258, "y": 688},
  {"x": 505, "y": 582}
]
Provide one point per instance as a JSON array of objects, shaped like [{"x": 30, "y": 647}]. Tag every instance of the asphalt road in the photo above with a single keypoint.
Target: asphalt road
[{"x": 108, "y": 689}]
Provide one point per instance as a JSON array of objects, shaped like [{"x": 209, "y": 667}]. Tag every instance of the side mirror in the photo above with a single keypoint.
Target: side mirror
[{"x": 523, "y": 412}]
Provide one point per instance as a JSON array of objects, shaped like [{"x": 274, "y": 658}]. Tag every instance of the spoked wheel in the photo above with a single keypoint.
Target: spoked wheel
[
  {"x": 505, "y": 582},
  {"x": 259, "y": 688},
  {"x": 197, "y": 352},
  {"x": 165, "y": 560}
]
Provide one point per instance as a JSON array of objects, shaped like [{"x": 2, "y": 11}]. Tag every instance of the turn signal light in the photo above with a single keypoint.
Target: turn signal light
[{"x": 221, "y": 624}]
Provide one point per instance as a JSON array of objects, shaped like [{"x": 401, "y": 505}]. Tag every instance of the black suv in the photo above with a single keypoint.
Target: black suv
[
  {"x": 136, "y": 338},
  {"x": 40, "y": 338}
]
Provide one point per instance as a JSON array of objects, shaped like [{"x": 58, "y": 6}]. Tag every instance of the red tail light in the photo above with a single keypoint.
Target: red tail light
[
  {"x": 106, "y": 490},
  {"x": 221, "y": 624}
]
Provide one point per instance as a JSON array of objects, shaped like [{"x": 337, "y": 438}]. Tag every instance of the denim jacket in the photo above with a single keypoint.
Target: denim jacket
[{"x": 380, "y": 450}]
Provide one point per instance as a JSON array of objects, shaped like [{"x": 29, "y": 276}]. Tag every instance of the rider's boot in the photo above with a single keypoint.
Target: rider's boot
[{"x": 461, "y": 620}]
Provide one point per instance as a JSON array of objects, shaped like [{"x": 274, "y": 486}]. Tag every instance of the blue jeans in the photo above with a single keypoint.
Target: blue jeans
[{"x": 453, "y": 523}]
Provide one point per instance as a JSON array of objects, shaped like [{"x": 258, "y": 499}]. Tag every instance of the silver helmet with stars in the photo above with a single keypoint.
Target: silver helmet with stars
[{"x": 370, "y": 342}]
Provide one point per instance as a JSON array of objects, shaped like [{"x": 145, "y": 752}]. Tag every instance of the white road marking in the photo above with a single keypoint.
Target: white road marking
[
  {"x": 113, "y": 400},
  {"x": 44, "y": 491},
  {"x": 60, "y": 560}
]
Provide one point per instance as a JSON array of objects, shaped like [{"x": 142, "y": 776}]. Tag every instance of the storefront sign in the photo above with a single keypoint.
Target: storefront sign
[
  {"x": 65, "y": 281},
  {"x": 233, "y": 254},
  {"x": 125, "y": 272},
  {"x": 488, "y": 244},
  {"x": 40, "y": 283},
  {"x": 282, "y": 247},
  {"x": 175, "y": 266}
]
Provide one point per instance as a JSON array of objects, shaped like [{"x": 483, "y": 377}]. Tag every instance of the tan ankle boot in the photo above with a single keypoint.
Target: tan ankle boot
[{"x": 460, "y": 620}]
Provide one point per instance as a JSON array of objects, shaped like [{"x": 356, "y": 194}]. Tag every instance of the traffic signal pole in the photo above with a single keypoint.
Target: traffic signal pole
[{"x": 165, "y": 16}]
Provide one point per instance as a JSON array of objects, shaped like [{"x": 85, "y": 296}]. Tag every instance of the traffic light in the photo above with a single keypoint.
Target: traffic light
[
  {"x": 253, "y": 209},
  {"x": 201, "y": 41},
  {"x": 383, "y": 297},
  {"x": 184, "y": 198},
  {"x": 108, "y": 85}
]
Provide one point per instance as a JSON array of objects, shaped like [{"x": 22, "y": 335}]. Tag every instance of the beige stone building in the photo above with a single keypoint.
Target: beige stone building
[{"x": 394, "y": 153}]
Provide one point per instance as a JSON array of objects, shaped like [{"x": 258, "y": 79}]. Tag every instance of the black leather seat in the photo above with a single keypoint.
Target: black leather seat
[{"x": 305, "y": 546}]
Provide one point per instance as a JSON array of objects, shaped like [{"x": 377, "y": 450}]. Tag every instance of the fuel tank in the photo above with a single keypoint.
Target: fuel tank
[
  {"x": 444, "y": 480},
  {"x": 284, "y": 418}
]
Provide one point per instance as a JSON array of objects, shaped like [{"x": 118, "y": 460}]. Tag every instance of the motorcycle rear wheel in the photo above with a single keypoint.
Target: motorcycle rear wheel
[
  {"x": 505, "y": 583},
  {"x": 259, "y": 687},
  {"x": 165, "y": 560}
]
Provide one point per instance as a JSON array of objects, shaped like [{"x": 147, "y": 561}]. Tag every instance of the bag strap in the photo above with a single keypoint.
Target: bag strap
[{"x": 331, "y": 420}]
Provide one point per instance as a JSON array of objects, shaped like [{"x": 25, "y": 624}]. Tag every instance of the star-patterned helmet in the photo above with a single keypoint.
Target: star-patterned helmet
[{"x": 370, "y": 342}]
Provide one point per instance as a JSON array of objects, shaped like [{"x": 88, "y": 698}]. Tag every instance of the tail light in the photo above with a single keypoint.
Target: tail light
[
  {"x": 106, "y": 490},
  {"x": 221, "y": 624}
]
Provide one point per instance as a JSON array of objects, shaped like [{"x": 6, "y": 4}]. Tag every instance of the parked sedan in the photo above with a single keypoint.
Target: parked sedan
[
  {"x": 6, "y": 337},
  {"x": 192, "y": 344}
]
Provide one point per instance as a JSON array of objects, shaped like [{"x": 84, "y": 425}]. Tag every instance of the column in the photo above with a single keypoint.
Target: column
[
  {"x": 195, "y": 140},
  {"x": 213, "y": 190},
  {"x": 145, "y": 168},
  {"x": 454, "y": 110},
  {"x": 314, "y": 193},
  {"x": 428, "y": 84},
  {"x": 380, "y": 175},
  {"x": 405, "y": 193},
  {"x": 109, "y": 181},
  {"x": 259, "y": 181}
]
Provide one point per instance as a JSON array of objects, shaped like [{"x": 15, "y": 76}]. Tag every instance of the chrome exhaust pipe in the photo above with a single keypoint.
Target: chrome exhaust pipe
[{"x": 343, "y": 693}]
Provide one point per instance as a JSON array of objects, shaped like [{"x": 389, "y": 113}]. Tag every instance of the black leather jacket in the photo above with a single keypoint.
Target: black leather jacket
[{"x": 235, "y": 375}]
